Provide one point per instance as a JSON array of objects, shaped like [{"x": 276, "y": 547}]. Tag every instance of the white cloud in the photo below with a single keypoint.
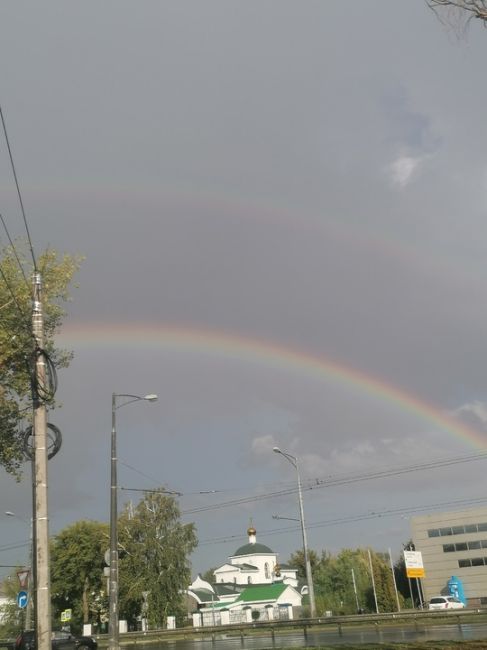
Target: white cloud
[
  {"x": 403, "y": 169},
  {"x": 263, "y": 445},
  {"x": 477, "y": 409}
]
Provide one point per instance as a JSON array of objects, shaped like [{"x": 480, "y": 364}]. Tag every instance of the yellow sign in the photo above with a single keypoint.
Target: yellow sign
[
  {"x": 414, "y": 564},
  {"x": 415, "y": 573},
  {"x": 66, "y": 615}
]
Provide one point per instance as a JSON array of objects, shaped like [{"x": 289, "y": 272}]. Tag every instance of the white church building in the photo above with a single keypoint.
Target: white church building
[{"x": 252, "y": 585}]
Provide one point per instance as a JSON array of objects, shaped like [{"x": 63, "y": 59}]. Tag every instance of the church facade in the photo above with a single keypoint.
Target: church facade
[{"x": 252, "y": 585}]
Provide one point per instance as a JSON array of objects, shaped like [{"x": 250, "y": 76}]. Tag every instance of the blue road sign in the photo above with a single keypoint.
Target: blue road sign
[{"x": 22, "y": 599}]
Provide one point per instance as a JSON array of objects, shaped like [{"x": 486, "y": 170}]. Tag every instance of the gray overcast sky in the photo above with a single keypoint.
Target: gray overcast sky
[{"x": 310, "y": 176}]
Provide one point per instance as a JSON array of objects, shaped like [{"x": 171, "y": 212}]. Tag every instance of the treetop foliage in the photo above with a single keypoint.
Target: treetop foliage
[{"x": 17, "y": 346}]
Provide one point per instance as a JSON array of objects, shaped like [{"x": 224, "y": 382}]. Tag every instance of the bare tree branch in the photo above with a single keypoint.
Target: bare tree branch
[{"x": 459, "y": 13}]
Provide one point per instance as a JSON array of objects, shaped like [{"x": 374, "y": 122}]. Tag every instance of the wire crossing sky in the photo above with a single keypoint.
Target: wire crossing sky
[{"x": 282, "y": 212}]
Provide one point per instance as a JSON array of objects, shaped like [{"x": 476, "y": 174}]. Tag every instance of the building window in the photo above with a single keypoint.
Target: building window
[
  {"x": 457, "y": 530},
  {"x": 249, "y": 580},
  {"x": 462, "y": 546},
  {"x": 448, "y": 548},
  {"x": 266, "y": 570},
  {"x": 473, "y": 546},
  {"x": 475, "y": 561}
]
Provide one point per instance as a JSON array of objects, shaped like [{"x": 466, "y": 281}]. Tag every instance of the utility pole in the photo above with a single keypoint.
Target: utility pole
[{"x": 41, "y": 525}]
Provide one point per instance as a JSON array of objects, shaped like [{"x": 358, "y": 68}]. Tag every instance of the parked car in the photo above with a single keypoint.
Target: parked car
[
  {"x": 60, "y": 641},
  {"x": 445, "y": 602}
]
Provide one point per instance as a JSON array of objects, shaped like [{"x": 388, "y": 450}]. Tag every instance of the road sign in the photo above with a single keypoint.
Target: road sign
[
  {"x": 22, "y": 599},
  {"x": 66, "y": 615},
  {"x": 23, "y": 577},
  {"x": 414, "y": 564}
]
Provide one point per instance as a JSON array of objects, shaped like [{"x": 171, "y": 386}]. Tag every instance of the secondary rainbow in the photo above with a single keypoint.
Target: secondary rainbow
[{"x": 267, "y": 353}]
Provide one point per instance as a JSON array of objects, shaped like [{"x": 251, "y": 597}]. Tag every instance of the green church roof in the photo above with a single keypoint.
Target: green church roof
[
  {"x": 252, "y": 549},
  {"x": 262, "y": 592}
]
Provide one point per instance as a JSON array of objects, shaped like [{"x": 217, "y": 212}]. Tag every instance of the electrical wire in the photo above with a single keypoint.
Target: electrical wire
[
  {"x": 18, "y": 190},
  {"x": 14, "y": 250},
  {"x": 25, "y": 321},
  {"x": 13, "y": 546},
  {"x": 47, "y": 391},
  {"x": 354, "y": 518},
  {"x": 332, "y": 482}
]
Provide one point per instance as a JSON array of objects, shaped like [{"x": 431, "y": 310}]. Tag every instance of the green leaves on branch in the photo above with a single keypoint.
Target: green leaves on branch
[
  {"x": 154, "y": 557},
  {"x": 77, "y": 563},
  {"x": 17, "y": 346}
]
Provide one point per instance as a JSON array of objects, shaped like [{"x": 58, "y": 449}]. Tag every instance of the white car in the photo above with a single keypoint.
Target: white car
[{"x": 445, "y": 602}]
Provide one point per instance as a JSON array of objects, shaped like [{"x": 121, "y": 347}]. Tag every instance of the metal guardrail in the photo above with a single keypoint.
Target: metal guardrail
[{"x": 341, "y": 622}]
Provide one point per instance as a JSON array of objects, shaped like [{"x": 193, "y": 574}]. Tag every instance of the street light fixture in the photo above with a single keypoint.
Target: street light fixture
[
  {"x": 309, "y": 576},
  {"x": 113, "y": 631}
]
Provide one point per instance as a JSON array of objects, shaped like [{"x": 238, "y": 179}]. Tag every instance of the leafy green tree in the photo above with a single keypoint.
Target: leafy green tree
[
  {"x": 155, "y": 547},
  {"x": 11, "y": 617},
  {"x": 384, "y": 583},
  {"x": 77, "y": 563},
  {"x": 17, "y": 352},
  {"x": 334, "y": 576},
  {"x": 209, "y": 575},
  {"x": 404, "y": 585},
  {"x": 297, "y": 562}
]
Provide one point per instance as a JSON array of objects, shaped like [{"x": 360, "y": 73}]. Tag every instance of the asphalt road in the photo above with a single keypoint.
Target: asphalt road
[{"x": 351, "y": 635}]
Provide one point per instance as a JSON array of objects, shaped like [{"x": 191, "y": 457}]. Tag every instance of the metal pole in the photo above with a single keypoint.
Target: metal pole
[
  {"x": 41, "y": 524},
  {"x": 113, "y": 630},
  {"x": 113, "y": 624},
  {"x": 355, "y": 591},
  {"x": 373, "y": 581},
  {"x": 309, "y": 575},
  {"x": 394, "y": 580}
]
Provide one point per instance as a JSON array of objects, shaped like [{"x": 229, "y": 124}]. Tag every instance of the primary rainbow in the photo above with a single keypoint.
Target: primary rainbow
[{"x": 269, "y": 353}]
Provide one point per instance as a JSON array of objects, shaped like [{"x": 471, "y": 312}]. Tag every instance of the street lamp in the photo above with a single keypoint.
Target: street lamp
[
  {"x": 309, "y": 576},
  {"x": 113, "y": 631}
]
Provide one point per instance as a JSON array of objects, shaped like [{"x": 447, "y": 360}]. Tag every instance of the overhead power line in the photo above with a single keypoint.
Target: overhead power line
[
  {"x": 340, "y": 480},
  {"x": 354, "y": 518},
  {"x": 12, "y": 164},
  {"x": 12, "y": 246}
]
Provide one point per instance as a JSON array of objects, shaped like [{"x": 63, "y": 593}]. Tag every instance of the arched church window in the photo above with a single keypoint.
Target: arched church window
[
  {"x": 249, "y": 580},
  {"x": 266, "y": 570}
]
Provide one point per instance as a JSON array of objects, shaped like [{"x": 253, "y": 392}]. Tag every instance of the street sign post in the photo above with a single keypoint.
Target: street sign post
[
  {"x": 23, "y": 577},
  {"x": 414, "y": 564},
  {"x": 22, "y": 599},
  {"x": 66, "y": 615}
]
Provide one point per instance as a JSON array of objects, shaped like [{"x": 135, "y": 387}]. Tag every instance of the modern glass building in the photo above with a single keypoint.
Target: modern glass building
[{"x": 453, "y": 544}]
